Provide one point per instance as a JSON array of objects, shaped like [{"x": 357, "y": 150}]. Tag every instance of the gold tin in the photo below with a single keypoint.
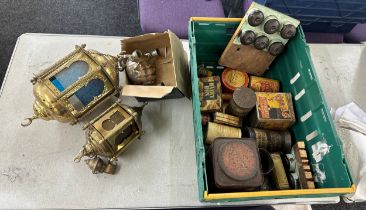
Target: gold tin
[
  {"x": 261, "y": 84},
  {"x": 279, "y": 173},
  {"x": 272, "y": 141},
  {"x": 273, "y": 111},
  {"x": 210, "y": 94},
  {"x": 73, "y": 86},
  {"x": 215, "y": 130},
  {"x": 233, "y": 79},
  {"x": 226, "y": 119}
]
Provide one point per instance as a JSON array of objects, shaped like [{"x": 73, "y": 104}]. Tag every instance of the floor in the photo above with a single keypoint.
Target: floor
[{"x": 93, "y": 17}]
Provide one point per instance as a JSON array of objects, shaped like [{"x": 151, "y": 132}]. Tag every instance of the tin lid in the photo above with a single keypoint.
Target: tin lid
[
  {"x": 238, "y": 160},
  {"x": 244, "y": 98},
  {"x": 236, "y": 164},
  {"x": 232, "y": 79}
]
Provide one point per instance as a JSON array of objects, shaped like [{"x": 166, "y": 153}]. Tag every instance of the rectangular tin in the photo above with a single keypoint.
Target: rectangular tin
[
  {"x": 210, "y": 94},
  {"x": 273, "y": 111}
]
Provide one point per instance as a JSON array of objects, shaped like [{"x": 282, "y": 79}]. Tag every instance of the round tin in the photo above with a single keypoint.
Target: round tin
[
  {"x": 266, "y": 161},
  {"x": 215, "y": 130},
  {"x": 233, "y": 79},
  {"x": 243, "y": 101},
  {"x": 272, "y": 141}
]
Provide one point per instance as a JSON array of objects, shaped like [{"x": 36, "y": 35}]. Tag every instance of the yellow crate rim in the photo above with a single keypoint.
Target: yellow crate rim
[
  {"x": 218, "y": 196},
  {"x": 215, "y": 19}
]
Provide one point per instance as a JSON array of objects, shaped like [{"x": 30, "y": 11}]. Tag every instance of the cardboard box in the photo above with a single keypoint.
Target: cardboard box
[{"x": 171, "y": 67}]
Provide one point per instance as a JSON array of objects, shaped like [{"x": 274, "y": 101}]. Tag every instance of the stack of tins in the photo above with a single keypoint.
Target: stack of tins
[{"x": 246, "y": 120}]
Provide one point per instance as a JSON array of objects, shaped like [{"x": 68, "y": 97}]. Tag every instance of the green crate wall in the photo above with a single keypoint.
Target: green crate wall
[{"x": 207, "y": 40}]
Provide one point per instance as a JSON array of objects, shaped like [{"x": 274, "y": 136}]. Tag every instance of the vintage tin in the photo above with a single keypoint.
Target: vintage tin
[
  {"x": 279, "y": 173},
  {"x": 261, "y": 84},
  {"x": 226, "y": 119},
  {"x": 243, "y": 101},
  {"x": 215, "y": 130},
  {"x": 205, "y": 118},
  {"x": 273, "y": 111},
  {"x": 210, "y": 94},
  {"x": 233, "y": 79},
  {"x": 266, "y": 161},
  {"x": 226, "y": 96},
  {"x": 272, "y": 141},
  {"x": 203, "y": 72},
  {"x": 236, "y": 164}
]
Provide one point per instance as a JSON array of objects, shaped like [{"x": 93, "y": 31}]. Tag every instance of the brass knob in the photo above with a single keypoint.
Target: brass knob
[
  {"x": 288, "y": 31},
  {"x": 276, "y": 48},
  {"x": 261, "y": 42},
  {"x": 272, "y": 26},
  {"x": 255, "y": 18},
  {"x": 247, "y": 37}
]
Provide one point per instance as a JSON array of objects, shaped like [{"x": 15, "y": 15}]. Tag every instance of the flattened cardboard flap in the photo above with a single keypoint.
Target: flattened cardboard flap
[{"x": 171, "y": 67}]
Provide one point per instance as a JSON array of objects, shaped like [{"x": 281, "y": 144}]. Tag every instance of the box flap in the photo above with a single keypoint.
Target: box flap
[
  {"x": 146, "y": 91},
  {"x": 180, "y": 65}
]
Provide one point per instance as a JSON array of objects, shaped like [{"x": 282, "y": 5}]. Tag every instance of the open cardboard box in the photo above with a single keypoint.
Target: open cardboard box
[{"x": 173, "y": 79}]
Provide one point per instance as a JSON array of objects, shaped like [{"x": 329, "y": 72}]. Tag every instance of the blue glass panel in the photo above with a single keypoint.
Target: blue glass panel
[
  {"x": 70, "y": 75},
  {"x": 87, "y": 93}
]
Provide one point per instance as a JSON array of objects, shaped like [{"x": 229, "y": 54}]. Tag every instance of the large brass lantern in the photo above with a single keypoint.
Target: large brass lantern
[
  {"x": 109, "y": 134},
  {"x": 72, "y": 87}
]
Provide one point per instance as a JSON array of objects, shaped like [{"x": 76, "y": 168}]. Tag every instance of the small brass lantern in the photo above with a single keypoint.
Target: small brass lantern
[
  {"x": 72, "y": 87},
  {"x": 108, "y": 135}
]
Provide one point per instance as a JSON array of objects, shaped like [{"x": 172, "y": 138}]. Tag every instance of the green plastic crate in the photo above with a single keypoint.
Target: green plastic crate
[{"x": 208, "y": 38}]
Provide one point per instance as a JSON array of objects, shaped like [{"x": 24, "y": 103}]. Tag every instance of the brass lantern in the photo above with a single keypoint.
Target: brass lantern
[
  {"x": 109, "y": 134},
  {"x": 73, "y": 86}
]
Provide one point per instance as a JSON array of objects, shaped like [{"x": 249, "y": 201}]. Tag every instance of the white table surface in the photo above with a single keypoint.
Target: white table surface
[{"x": 36, "y": 163}]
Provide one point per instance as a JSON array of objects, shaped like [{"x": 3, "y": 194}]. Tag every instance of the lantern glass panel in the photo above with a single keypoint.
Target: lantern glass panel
[
  {"x": 70, "y": 75},
  {"x": 86, "y": 94}
]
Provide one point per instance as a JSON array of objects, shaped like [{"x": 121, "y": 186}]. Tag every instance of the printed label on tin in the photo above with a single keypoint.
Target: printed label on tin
[
  {"x": 233, "y": 79},
  {"x": 273, "y": 106},
  {"x": 210, "y": 93},
  {"x": 260, "y": 84},
  {"x": 209, "y": 90}
]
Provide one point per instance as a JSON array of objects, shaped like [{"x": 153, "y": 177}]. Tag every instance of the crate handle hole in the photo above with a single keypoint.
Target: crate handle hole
[
  {"x": 306, "y": 116},
  {"x": 294, "y": 79},
  {"x": 311, "y": 135},
  {"x": 300, "y": 94},
  {"x": 237, "y": 49}
]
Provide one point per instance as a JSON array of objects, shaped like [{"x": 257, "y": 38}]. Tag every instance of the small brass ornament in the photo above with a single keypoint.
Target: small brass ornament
[
  {"x": 73, "y": 86},
  {"x": 140, "y": 68}
]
